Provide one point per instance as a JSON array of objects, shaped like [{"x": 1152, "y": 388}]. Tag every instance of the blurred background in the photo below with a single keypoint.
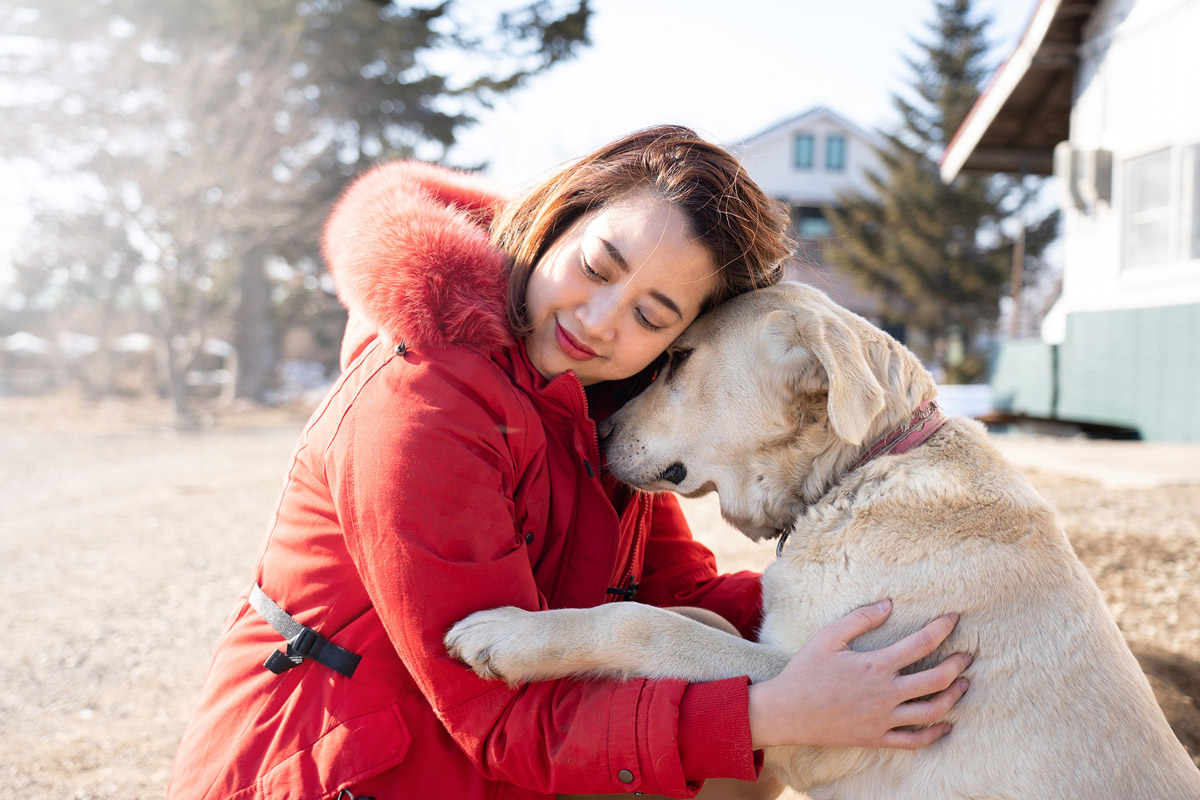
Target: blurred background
[{"x": 1010, "y": 187}]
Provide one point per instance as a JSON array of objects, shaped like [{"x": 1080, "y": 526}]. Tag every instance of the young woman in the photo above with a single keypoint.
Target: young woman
[{"x": 455, "y": 467}]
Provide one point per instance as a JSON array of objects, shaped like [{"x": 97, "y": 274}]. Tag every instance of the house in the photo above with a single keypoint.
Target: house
[
  {"x": 1102, "y": 94},
  {"x": 807, "y": 161}
]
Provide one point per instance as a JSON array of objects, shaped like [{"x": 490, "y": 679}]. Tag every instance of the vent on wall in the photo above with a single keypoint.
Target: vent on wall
[{"x": 1084, "y": 176}]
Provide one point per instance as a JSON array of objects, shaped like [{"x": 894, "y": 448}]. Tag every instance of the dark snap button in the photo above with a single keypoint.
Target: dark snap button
[
  {"x": 625, "y": 776},
  {"x": 588, "y": 466},
  {"x": 529, "y": 538}
]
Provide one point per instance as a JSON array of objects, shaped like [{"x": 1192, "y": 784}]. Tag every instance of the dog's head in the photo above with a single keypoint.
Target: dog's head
[{"x": 767, "y": 400}]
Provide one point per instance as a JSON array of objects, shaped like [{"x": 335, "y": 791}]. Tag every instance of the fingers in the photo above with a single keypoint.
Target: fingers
[
  {"x": 856, "y": 623},
  {"x": 914, "y": 647},
  {"x": 934, "y": 679},
  {"x": 931, "y": 710},
  {"x": 923, "y": 713},
  {"x": 911, "y": 740}
]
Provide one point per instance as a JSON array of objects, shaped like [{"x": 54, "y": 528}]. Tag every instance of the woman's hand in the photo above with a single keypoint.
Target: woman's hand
[{"x": 833, "y": 696}]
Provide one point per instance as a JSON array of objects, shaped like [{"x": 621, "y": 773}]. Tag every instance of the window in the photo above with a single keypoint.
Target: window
[
  {"x": 835, "y": 152},
  {"x": 803, "y": 150},
  {"x": 1148, "y": 210},
  {"x": 1190, "y": 216},
  {"x": 809, "y": 223}
]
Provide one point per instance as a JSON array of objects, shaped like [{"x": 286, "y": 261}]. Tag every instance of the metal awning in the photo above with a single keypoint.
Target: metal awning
[{"x": 1026, "y": 108}]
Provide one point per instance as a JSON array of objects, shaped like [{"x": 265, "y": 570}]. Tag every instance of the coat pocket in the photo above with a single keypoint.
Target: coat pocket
[{"x": 357, "y": 749}]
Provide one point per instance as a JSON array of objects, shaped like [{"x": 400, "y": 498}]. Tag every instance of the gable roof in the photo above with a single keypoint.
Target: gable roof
[
  {"x": 1025, "y": 110},
  {"x": 811, "y": 115}
]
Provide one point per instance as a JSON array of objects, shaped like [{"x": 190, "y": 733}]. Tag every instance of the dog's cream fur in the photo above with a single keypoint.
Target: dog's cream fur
[{"x": 769, "y": 401}]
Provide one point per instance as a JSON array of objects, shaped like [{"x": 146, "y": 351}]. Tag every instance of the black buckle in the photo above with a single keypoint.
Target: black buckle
[
  {"x": 280, "y": 662},
  {"x": 302, "y": 641},
  {"x": 306, "y": 644}
]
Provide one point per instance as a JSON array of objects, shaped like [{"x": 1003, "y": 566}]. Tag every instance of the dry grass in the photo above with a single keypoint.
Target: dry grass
[{"x": 123, "y": 545}]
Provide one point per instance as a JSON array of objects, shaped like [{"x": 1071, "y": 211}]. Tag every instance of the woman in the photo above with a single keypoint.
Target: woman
[{"x": 455, "y": 467}]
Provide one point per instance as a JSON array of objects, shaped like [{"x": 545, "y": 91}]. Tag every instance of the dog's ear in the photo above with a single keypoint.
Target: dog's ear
[{"x": 813, "y": 353}]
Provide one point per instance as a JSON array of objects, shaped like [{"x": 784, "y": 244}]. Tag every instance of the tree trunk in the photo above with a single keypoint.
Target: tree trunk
[
  {"x": 255, "y": 337},
  {"x": 183, "y": 414}
]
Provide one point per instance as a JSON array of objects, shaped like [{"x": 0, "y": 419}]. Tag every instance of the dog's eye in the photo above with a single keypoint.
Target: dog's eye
[{"x": 675, "y": 358}]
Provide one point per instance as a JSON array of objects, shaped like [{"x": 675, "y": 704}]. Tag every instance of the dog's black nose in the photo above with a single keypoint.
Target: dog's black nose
[
  {"x": 674, "y": 473},
  {"x": 606, "y": 429}
]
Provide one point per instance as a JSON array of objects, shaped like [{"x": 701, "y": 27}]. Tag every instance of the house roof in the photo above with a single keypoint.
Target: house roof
[
  {"x": 812, "y": 114},
  {"x": 1026, "y": 108}
]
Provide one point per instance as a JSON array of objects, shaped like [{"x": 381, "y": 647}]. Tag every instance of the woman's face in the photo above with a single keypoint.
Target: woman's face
[{"x": 616, "y": 288}]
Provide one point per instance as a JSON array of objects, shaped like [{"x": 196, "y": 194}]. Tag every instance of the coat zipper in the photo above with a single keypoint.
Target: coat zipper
[{"x": 627, "y": 588}]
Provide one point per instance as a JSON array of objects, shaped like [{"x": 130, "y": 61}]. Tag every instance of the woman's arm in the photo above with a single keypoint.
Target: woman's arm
[
  {"x": 424, "y": 481},
  {"x": 680, "y": 571}
]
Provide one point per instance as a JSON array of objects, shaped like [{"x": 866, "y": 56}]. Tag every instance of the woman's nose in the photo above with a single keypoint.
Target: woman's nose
[{"x": 598, "y": 317}]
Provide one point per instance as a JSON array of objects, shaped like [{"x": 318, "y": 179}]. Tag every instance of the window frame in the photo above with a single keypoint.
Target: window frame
[
  {"x": 840, "y": 138},
  {"x": 1189, "y": 202},
  {"x": 811, "y": 141},
  {"x": 1181, "y": 213}
]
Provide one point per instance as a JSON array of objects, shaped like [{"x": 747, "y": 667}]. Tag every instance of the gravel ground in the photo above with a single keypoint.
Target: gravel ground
[{"x": 123, "y": 545}]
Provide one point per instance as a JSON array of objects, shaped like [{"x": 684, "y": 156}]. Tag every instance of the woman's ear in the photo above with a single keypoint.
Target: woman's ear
[{"x": 812, "y": 351}]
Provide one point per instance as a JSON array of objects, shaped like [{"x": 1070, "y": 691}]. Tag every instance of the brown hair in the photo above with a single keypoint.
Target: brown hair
[{"x": 744, "y": 231}]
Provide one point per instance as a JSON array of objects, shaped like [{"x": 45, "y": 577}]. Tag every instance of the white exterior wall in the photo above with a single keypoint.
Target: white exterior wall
[
  {"x": 769, "y": 158},
  {"x": 1138, "y": 91}
]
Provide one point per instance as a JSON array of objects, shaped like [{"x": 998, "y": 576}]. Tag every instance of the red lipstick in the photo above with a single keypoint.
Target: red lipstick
[{"x": 570, "y": 346}]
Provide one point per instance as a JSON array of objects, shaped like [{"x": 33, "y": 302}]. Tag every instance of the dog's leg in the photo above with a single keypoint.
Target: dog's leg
[{"x": 615, "y": 640}]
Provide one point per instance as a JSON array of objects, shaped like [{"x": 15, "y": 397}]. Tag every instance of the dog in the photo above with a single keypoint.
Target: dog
[{"x": 807, "y": 421}]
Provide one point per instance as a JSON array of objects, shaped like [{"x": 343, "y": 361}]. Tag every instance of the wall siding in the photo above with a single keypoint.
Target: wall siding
[
  {"x": 1134, "y": 367},
  {"x": 1022, "y": 379}
]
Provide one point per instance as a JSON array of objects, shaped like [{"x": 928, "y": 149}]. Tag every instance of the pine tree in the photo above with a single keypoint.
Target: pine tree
[
  {"x": 939, "y": 256},
  {"x": 206, "y": 139}
]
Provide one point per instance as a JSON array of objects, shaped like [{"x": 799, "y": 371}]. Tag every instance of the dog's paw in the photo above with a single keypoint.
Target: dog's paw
[{"x": 488, "y": 642}]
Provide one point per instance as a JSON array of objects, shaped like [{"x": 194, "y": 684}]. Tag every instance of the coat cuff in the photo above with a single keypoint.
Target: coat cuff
[{"x": 714, "y": 731}]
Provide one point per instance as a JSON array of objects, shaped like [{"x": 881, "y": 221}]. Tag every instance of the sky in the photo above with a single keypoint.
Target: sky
[{"x": 726, "y": 68}]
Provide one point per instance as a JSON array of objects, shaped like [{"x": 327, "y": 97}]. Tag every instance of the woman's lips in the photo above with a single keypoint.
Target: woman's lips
[{"x": 568, "y": 345}]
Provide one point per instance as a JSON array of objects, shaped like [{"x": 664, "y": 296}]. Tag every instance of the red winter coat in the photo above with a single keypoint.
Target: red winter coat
[{"x": 439, "y": 479}]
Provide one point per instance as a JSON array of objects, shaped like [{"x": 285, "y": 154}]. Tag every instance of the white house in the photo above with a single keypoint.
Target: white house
[
  {"x": 807, "y": 161},
  {"x": 1103, "y": 94}
]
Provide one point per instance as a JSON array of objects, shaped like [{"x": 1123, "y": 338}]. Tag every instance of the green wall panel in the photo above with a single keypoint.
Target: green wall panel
[
  {"x": 1134, "y": 367},
  {"x": 1022, "y": 380}
]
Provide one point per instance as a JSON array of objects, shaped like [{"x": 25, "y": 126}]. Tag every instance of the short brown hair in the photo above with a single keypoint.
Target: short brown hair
[{"x": 743, "y": 230}]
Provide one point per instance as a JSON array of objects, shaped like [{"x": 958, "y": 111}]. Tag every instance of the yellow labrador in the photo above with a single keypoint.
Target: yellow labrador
[{"x": 776, "y": 400}]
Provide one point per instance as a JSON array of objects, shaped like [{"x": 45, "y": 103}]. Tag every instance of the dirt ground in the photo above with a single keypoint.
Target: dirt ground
[{"x": 123, "y": 546}]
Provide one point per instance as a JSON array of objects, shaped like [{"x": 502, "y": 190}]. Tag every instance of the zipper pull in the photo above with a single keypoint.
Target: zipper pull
[{"x": 624, "y": 594}]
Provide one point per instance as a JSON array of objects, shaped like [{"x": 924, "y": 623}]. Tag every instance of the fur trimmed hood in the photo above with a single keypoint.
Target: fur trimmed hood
[{"x": 408, "y": 249}]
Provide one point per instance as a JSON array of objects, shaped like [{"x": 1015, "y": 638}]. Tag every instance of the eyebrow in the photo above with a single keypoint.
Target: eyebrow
[{"x": 616, "y": 256}]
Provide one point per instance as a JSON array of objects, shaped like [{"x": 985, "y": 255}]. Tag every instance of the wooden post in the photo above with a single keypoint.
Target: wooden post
[{"x": 1018, "y": 280}]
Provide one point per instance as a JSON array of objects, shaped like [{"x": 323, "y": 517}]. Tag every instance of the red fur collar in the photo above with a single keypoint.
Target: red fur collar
[{"x": 407, "y": 246}]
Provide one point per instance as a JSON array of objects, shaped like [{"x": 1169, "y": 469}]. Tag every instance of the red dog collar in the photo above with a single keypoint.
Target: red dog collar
[{"x": 924, "y": 422}]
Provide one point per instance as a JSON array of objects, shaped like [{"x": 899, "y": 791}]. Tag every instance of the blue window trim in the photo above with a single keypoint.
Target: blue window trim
[
  {"x": 803, "y": 151},
  {"x": 837, "y": 164}
]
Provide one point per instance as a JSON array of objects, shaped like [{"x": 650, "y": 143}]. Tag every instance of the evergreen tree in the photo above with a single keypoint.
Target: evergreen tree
[
  {"x": 205, "y": 140},
  {"x": 939, "y": 256}
]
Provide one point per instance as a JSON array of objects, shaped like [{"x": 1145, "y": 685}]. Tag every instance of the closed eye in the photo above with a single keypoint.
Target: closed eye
[{"x": 587, "y": 270}]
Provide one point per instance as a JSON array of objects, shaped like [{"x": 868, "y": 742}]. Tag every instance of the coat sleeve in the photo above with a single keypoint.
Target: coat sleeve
[
  {"x": 424, "y": 489},
  {"x": 679, "y": 571}
]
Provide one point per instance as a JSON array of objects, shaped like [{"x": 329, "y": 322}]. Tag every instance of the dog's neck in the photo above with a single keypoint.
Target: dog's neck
[
  {"x": 924, "y": 422},
  {"x": 805, "y": 462},
  {"x": 905, "y": 436}
]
